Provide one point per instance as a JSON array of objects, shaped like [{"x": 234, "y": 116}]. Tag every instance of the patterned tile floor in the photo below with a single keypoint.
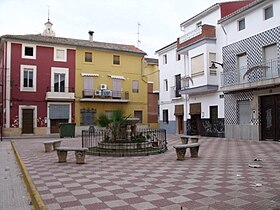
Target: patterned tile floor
[{"x": 220, "y": 178}]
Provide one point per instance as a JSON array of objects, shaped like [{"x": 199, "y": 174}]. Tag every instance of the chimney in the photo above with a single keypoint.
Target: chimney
[{"x": 91, "y": 36}]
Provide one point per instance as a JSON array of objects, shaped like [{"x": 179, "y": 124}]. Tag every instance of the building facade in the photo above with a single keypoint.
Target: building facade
[
  {"x": 109, "y": 77},
  {"x": 173, "y": 117},
  {"x": 251, "y": 74},
  {"x": 38, "y": 78},
  {"x": 48, "y": 80},
  {"x": 195, "y": 105}
]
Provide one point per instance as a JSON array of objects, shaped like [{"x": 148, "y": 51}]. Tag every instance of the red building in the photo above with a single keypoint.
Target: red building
[{"x": 38, "y": 83}]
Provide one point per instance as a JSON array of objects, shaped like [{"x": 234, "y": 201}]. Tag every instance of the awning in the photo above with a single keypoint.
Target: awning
[
  {"x": 179, "y": 110},
  {"x": 116, "y": 77},
  {"x": 89, "y": 75}
]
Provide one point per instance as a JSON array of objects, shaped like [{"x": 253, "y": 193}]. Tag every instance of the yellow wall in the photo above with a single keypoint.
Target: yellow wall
[
  {"x": 151, "y": 73},
  {"x": 102, "y": 64}
]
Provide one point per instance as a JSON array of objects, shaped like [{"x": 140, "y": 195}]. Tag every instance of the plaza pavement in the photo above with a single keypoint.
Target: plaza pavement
[{"x": 220, "y": 178}]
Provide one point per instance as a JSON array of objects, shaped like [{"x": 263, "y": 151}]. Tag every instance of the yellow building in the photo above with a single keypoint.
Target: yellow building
[
  {"x": 109, "y": 77},
  {"x": 151, "y": 74}
]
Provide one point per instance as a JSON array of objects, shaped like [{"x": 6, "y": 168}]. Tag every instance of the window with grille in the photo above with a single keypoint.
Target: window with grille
[{"x": 88, "y": 57}]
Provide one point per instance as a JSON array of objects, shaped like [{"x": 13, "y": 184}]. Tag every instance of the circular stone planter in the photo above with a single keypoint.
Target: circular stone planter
[{"x": 126, "y": 146}]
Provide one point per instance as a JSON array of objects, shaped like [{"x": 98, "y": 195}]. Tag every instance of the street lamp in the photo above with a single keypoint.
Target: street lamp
[{"x": 213, "y": 66}]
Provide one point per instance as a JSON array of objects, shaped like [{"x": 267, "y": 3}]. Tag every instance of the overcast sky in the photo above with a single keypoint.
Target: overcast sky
[{"x": 113, "y": 21}]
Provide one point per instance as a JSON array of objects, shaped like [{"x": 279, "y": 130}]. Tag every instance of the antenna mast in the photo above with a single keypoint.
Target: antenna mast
[{"x": 138, "y": 35}]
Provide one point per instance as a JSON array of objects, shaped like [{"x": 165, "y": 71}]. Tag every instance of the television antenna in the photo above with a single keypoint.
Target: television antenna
[{"x": 138, "y": 34}]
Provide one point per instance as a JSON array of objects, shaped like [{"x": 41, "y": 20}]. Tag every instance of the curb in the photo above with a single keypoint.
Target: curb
[{"x": 37, "y": 201}]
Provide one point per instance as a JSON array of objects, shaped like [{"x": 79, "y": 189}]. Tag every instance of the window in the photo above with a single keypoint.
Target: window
[
  {"x": 28, "y": 51},
  {"x": 199, "y": 24},
  {"x": 135, "y": 86},
  {"x": 212, "y": 57},
  {"x": 87, "y": 117},
  {"x": 59, "y": 82},
  {"x": 60, "y": 54},
  {"x": 88, "y": 57},
  {"x": 165, "y": 83},
  {"x": 241, "y": 24},
  {"x": 88, "y": 87},
  {"x": 60, "y": 79},
  {"x": 197, "y": 65},
  {"x": 117, "y": 88},
  {"x": 165, "y": 116},
  {"x": 244, "y": 112},
  {"x": 178, "y": 85},
  {"x": 268, "y": 12},
  {"x": 138, "y": 114},
  {"x": 213, "y": 114},
  {"x": 178, "y": 56},
  {"x": 28, "y": 78},
  {"x": 165, "y": 59},
  {"x": 116, "y": 60}
]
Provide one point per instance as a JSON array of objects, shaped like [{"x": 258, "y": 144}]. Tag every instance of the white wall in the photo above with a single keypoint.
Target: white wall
[
  {"x": 168, "y": 71},
  {"x": 254, "y": 21}
]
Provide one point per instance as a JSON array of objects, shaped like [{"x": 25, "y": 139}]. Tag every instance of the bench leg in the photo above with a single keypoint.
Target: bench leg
[
  {"x": 62, "y": 155},
  {"x": 194, "y": 152},
  {"x": 181, "y": 152},
  {"x": 56, "y": 144},
  {"x": 80, "y": 157},
  {"x": 48, "y": 147},
  {"x": 184, "y": 140}
]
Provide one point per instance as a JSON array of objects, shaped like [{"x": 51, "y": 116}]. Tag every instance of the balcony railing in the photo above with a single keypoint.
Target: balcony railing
[
  {"x": 256, "y": 75},
  {"x": 201, "y": 33},
  {"x": 55, "y": 93},
  {"x": 105, "y": 95}
]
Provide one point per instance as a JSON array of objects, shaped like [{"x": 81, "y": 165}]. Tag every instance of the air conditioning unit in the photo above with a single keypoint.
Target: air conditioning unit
[
  {"x": 97, "y": 92},
  {"x": 106, "y": 93},
  {"x": 103, "y": 87}
]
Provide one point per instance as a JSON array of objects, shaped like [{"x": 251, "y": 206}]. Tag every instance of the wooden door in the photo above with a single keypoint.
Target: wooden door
[
  {"x": 180, "y": 122},
  {"x": 27, "y": 121}
]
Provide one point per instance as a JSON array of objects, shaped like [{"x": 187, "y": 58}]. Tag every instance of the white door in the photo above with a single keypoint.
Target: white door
[{"x": 242, "y": 67}]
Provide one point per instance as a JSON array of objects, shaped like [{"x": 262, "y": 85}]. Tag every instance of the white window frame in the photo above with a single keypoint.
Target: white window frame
[
  {"x": 264, "y": 12},
  {"x": 20, "y": 108},
  {"x": 34, "y": 69},
  {"x": 55, "y": 54},
  {"x": 58, "y": 70},
  {"x": 23, "y": 51},
  {"x": 238, "y": 24}
]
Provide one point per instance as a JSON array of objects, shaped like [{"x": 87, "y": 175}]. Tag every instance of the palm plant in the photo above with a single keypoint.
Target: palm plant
[{"x": 114, "y": 123}]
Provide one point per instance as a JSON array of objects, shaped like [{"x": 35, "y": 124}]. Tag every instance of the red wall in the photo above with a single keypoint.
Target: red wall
[
  {"x": 229, "y": 7},
  {"x": 44, "y": 61}
]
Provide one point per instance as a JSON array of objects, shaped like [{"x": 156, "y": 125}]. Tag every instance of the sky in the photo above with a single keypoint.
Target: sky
[{"x": 114, "y": 21}]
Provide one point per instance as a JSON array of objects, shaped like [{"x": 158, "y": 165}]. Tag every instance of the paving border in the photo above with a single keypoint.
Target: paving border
[{"x": 37, "y": 201}]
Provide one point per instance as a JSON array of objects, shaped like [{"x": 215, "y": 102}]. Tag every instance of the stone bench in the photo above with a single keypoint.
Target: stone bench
[
  {"x": 181, "y": 150},
  {"x": 185, "y": 139},
  {"x": 51, "y": 145},
  {"x": 80, "y": 154}
]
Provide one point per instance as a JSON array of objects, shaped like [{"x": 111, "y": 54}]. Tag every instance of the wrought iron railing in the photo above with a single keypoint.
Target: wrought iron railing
[
  {"x": 141, "y": 142},
  {"x": 105, "y": 94},
  {"x": 60, "y": 89},
  {"x": 257, "y": 72}
]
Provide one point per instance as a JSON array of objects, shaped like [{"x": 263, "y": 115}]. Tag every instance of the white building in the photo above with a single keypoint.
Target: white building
[
  {"x": 198, "y": 106},
  {"x": 172, "y": 103},
  {"x": 251, "y": 75}
]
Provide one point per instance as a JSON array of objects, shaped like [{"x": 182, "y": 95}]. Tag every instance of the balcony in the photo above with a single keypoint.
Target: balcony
[
  {"x": 110, "y": 96},
  {"x": 203, "y": 33},
  {"x": 258, "y": 76},
  {"x": 55, "y": 93},
  {"x": 188, "y": 87}
]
